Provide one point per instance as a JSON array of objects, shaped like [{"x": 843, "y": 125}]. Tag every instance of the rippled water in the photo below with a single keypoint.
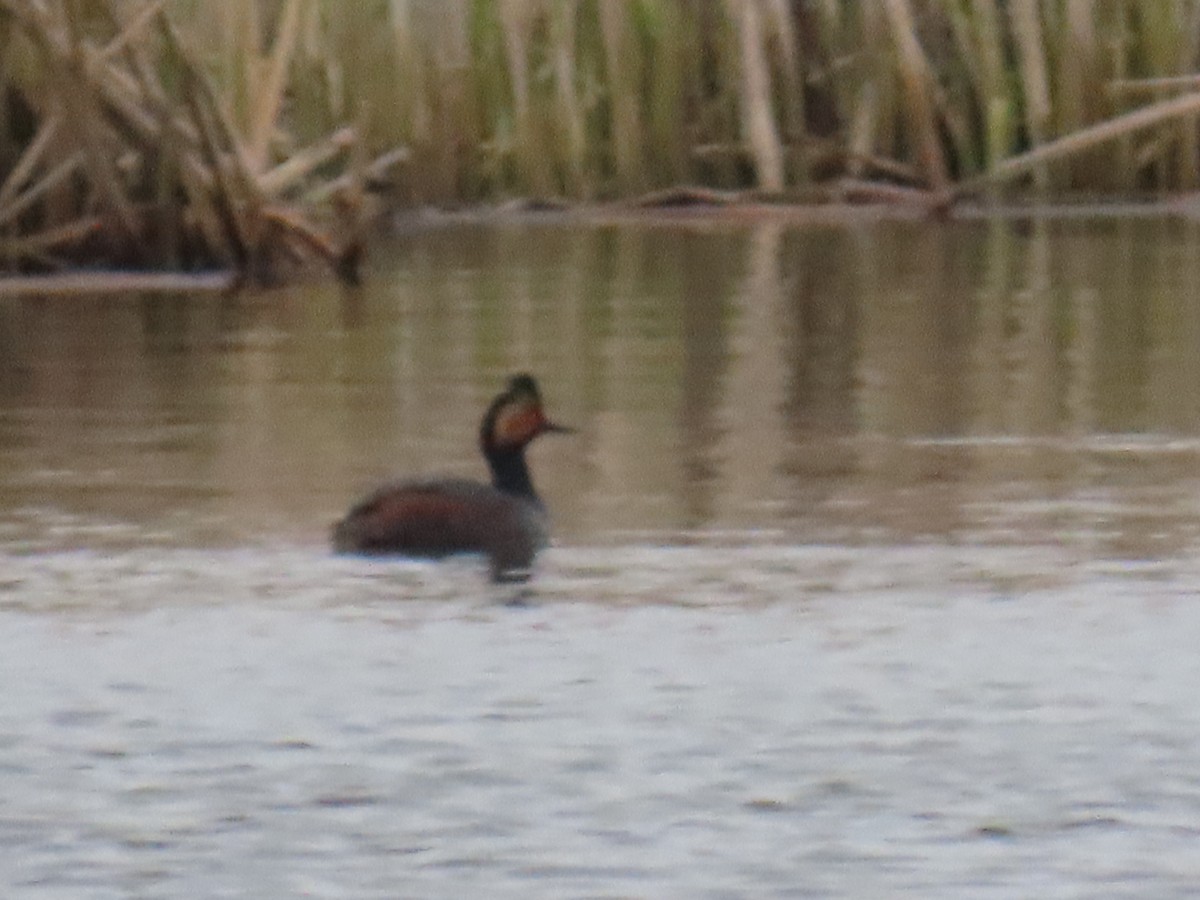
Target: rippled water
[{"x": 874, "y": 573}]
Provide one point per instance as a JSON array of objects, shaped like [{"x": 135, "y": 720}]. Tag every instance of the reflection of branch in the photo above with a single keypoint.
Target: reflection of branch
[{"x": 751, "y": 447}]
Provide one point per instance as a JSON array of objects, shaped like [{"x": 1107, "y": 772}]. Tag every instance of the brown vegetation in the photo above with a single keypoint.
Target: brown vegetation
[{"x": 243, "y": 133}]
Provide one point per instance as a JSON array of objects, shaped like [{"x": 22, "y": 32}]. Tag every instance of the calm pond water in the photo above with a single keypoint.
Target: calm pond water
[{"x": 875, "y": 572}]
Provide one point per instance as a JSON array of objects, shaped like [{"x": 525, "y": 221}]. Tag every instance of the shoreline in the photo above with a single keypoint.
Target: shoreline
[{"x": 675, "y": 208}]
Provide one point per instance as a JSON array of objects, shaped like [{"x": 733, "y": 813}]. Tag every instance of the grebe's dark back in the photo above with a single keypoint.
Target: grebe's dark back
[{"x": 434, "y": 518}]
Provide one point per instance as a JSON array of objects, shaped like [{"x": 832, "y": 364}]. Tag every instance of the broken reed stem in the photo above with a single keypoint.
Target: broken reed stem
[
  {"x": 1121, "y": 127},
  {"x": 1122, "y": 86},
  {"x": 30, "y": 159},
  {"x": 133, "y": 30},
  {"x": 51, "y": 180},
  {"x": 43, "y": 241}
]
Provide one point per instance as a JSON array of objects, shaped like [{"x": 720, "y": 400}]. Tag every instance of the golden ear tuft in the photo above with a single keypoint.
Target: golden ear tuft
[{"x": 517, "y": 423}]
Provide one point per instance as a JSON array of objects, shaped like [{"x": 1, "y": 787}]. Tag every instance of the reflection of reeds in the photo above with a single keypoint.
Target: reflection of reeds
[{"x": 187, "y": 132}]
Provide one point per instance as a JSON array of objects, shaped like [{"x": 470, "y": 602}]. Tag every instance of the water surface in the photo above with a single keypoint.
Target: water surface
[{"x": 874, "y": 571}]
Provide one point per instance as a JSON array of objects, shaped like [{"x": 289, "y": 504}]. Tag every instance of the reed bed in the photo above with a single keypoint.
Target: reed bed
[
  {"x": 243, "y": 133},
  {"x": 117, "y": 147}
]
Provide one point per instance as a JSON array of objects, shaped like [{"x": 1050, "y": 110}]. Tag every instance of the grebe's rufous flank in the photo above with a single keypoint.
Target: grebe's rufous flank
[{"x": 441, "y": 517}]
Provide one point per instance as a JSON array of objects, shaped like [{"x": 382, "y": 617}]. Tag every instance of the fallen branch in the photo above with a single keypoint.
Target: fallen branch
[{"x": 1085, "y": 139}]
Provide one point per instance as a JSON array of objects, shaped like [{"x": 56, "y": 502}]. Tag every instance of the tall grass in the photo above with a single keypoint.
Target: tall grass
[
  {"x": 169, "y": 131},
  {"x": 596, "y": 99}
]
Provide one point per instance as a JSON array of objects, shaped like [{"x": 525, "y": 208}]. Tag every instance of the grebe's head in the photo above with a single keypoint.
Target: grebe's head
[{"x": 516, "y": 417}]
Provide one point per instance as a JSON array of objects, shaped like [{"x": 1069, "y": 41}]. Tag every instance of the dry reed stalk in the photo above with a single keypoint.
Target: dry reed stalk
[
  {"x": 256, "y": 231},
  {"x": 918, "y": 92},
  {"x": 133, "y": 31},
  {"x": 1031, "y": 54},
  {"x": 861, "y": 136},
  {"x": 995, "y": 96},
  {"x": 1158, "y": 48},
  {"x": 716, "y": 151},
  {"x": 887, "y": 90},
  {"x": 266, "y": 101},
  {"x": 1120, "y": 87},
  {"x": 205, "y": 217},
  {"x": 120, "y": 105},
  {"x": 1078, "y": 67},
  {"x": 374, "y": 172},
  {"x": 119, "y": 93},
  {"x": 787, "y": 41},
  {"x": 53, "y": 179},
  {"x": 414, "y": 105},
  {"x": 1188, "y": 168},
  {"x": 411, "y": 94},
  {"x": 304, "y": 162},
  {"x": 956, "y": 91},
  {"x": 38, "y": 245},
  {"x": 455, "y": 122},
  {"x": 572, "y": 128},
  {"x": 517, "y": 21},
  {"x": 757, "y": 114},
  {"x": 1076, "y": 64},
  {"x": 962, "y": 31},
  {"x": 890, "y": 168},
  {"x": 623, "y": 69},
  {"x": 1120, "y": 43},
  {"x": 29, "y": 161},
  {"x": 234, "y": 239},
  {"x": 237, "y": 49},
  {"x": 92, "y": 135},
  {"x": 253, "y": 225},
  {"x": 675, "y": 56}
]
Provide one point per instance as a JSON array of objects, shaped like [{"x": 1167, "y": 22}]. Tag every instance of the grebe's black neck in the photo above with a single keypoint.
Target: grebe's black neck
[
  {"x": 513, "y": 420},
  {"x": 510, "y": 474}
]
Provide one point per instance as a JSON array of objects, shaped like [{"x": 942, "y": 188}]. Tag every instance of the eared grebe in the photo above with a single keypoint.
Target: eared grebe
[{"x": 436, "y": 518}]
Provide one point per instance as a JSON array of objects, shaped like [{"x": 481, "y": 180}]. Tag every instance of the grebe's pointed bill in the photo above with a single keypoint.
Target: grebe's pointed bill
[{"x": 549, "y": 427}]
